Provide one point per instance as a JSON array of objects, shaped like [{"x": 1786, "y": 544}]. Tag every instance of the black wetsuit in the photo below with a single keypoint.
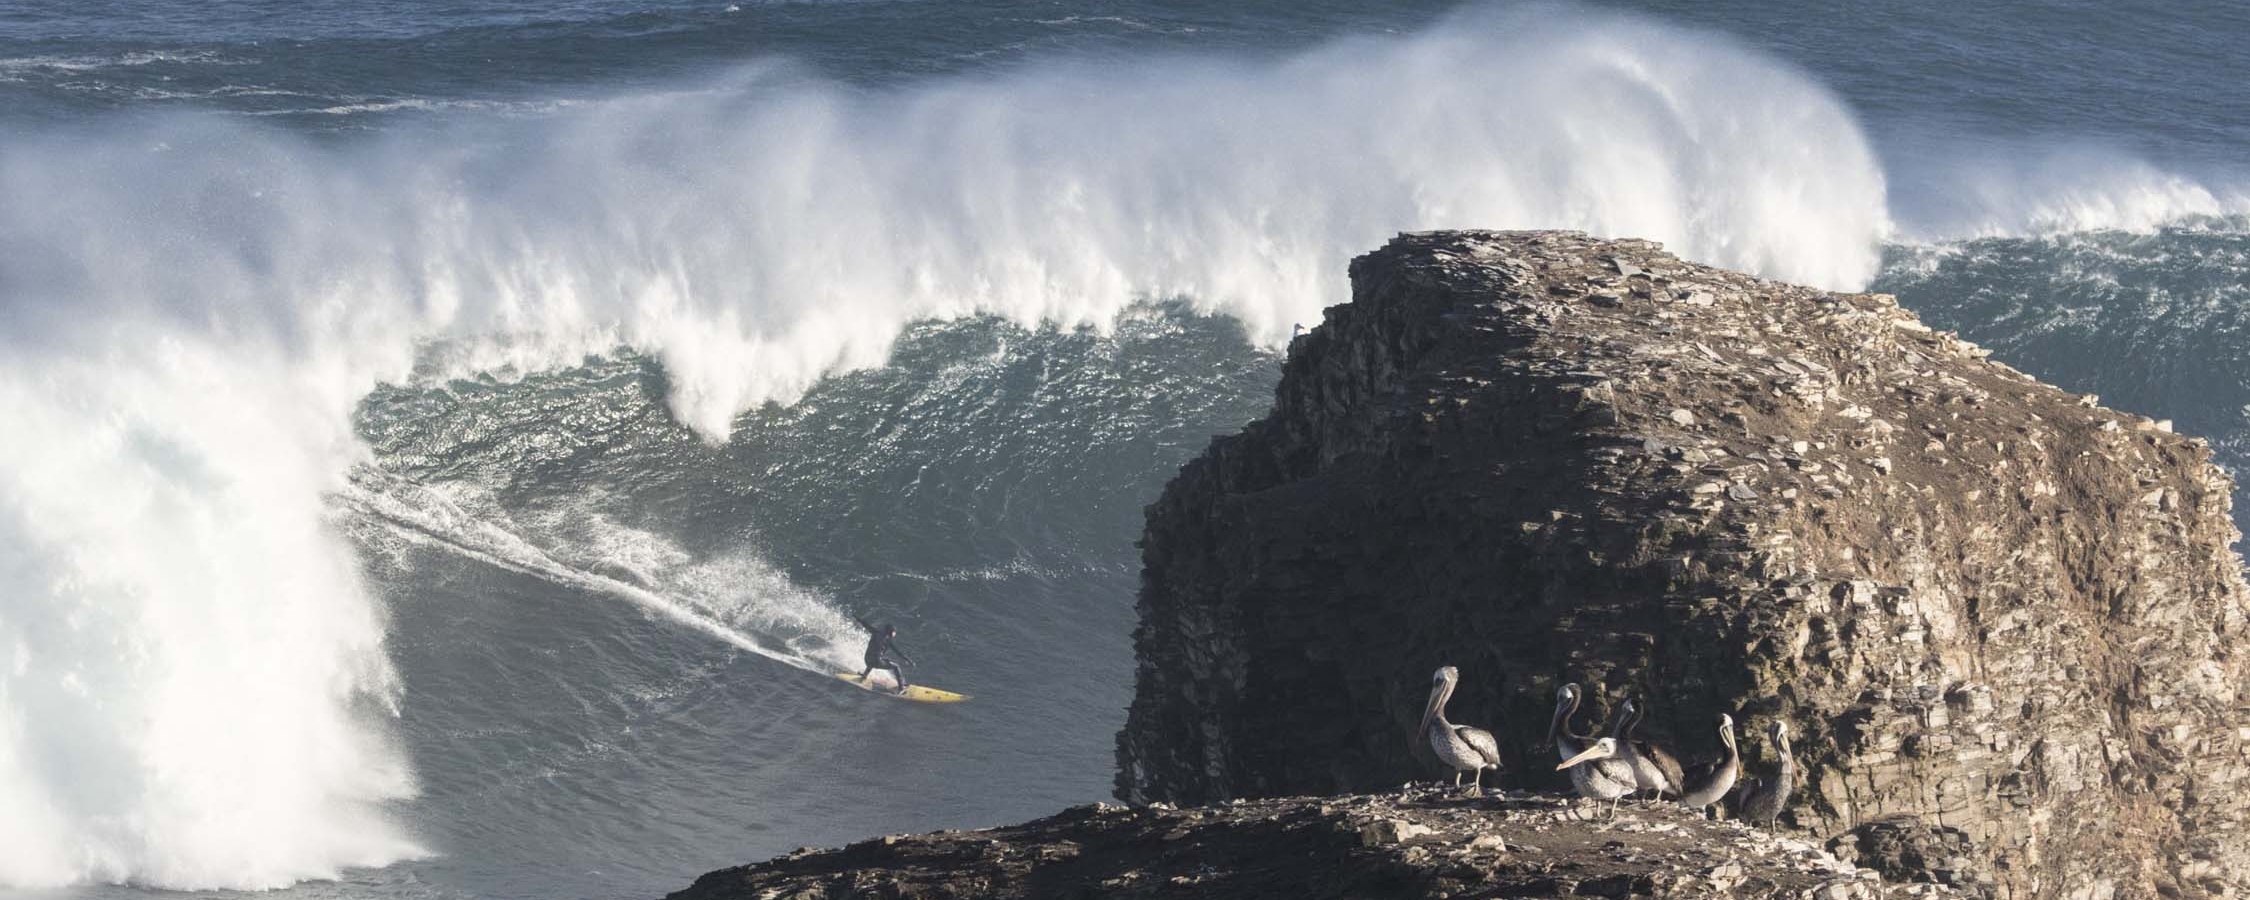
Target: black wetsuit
[{"x": 883, "y": 653}]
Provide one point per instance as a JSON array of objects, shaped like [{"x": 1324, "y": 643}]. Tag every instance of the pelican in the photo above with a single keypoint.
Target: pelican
[
  {"x": 1595, "y": 768},
  {"x": 1567, "y": 743},
  {"x": 1764, "y": 798},
  {"x": 1654, "y": 768},
  {"x": 1464, "y": 748},
  {"x": 1706, "y": 787}
]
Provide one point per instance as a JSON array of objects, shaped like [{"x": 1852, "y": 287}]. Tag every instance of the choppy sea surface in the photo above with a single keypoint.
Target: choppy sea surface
[{"x": 447, "y": 443}]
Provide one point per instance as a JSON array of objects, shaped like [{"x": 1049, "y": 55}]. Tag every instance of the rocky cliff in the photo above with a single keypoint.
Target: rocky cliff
[
  {"x": 1421, "y": 844},
  {"x": 2000, "y": 617}
]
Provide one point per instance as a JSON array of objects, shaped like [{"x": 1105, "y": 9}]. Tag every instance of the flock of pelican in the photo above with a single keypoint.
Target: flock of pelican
[{"x": 1617, "y": 765}]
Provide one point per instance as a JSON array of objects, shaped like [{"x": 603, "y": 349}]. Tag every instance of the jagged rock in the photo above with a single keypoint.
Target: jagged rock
[
  {"x": 1989, "y": 629},
  {"x": 1420, "y": 843},
  {"x": 1389, "y": 831},
  {"x": 1906, "y": 850}
]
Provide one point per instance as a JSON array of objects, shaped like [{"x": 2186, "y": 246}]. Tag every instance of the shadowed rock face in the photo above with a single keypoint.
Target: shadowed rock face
[
  {"x": 1909, "y": 850},
  {"x": 1423, "y": 844},
  {"x": 1979, "y": 602}
]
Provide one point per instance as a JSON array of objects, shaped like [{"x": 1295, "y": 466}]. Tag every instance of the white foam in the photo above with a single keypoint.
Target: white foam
[
  {"x": 133, "y": 58},
  {"x": 736, "y": 597},
  {"x": 194, "y": 305},
  {"x": 759, "y": 236},
  {"x": 1983, "y": 190},
  {"x": 195, "y": 663}
]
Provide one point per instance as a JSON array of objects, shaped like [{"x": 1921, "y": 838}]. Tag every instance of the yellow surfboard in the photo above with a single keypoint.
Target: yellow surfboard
[{"x": 914, "y": 692}]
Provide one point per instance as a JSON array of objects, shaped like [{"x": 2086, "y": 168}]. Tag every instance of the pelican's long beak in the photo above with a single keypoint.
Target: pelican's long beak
[
  {"x": 1429, "y": 711},
  {"x": 1593, "y": 752}
]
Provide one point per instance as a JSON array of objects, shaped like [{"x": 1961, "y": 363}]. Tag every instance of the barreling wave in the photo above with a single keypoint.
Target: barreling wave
[{"x": 193, "y": 688}]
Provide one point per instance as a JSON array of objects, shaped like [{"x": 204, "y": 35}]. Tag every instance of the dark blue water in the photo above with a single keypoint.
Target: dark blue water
[
  {"x": 455, "y": 437},
  {"x": 2158, "y": 80}
]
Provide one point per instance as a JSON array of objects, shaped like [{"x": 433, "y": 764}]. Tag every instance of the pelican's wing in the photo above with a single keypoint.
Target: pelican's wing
[
  {"x": 1481, "y": 741},
  {"x": 1666, "y": 764}
]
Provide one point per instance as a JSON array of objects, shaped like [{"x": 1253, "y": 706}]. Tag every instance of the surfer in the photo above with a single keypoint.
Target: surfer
[{"x": 883, "y": 652}]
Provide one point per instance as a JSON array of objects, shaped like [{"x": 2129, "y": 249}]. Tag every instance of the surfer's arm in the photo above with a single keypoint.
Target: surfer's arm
[{"x": 902, "y": 657}]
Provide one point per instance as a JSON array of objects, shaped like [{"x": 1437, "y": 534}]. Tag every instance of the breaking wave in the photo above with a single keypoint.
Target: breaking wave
[{"x": 2025, "y": 191}]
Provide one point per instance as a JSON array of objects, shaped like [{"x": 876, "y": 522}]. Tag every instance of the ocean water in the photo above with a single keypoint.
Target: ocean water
[{"x": 447, "y": 442}]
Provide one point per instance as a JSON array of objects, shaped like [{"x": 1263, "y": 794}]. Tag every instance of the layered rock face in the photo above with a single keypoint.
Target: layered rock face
[
  {"x": 1988, "y": 608},
  {"x": 1423, "y": 844}
]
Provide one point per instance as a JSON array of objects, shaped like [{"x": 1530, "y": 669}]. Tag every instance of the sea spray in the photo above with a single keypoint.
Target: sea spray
[
  {"x": 191, "y": 673},
  {"x": 757, "y": 236}
]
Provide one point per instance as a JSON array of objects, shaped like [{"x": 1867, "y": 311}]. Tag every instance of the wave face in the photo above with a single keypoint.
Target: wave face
[{"x": 982, "y": 489}]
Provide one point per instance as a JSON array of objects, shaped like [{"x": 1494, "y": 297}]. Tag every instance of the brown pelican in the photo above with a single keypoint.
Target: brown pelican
[
  {"x": 1596, "y": 770},
  {"x": 1706, "y": 786},
  {"x": 1654, "y": 768},
  {"x": 1567, "y": 742},
  {"x": 1762, "y": 799},
  {"x": 1464, "y": 748}
]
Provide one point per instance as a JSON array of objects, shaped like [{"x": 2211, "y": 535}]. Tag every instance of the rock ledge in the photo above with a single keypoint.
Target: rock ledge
[{"x": 1415, "y": 844}]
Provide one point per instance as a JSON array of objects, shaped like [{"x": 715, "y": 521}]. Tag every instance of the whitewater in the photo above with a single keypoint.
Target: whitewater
[{"x": 200, "y": 687}]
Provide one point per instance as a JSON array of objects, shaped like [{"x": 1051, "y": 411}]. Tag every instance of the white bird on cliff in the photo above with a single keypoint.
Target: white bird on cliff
[
  {"x": 1705, "y": 786},
  {"x": 1595, "y": 770},
  {"x": 1762, "y": 799},
  {"x": 1464, "y": 748}
]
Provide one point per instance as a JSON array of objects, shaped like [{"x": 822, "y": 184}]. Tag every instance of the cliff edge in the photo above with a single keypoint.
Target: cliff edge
[
  {"x": 1417, "y": 844},
  {"x": 1992, "y": 611}
]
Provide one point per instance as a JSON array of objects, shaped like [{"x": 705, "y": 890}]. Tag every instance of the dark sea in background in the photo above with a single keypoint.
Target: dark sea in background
[{"x": 447, "y": 441}]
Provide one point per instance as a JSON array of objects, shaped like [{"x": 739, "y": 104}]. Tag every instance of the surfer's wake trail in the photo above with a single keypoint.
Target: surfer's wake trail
[{"x": 740, "y": 601}]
